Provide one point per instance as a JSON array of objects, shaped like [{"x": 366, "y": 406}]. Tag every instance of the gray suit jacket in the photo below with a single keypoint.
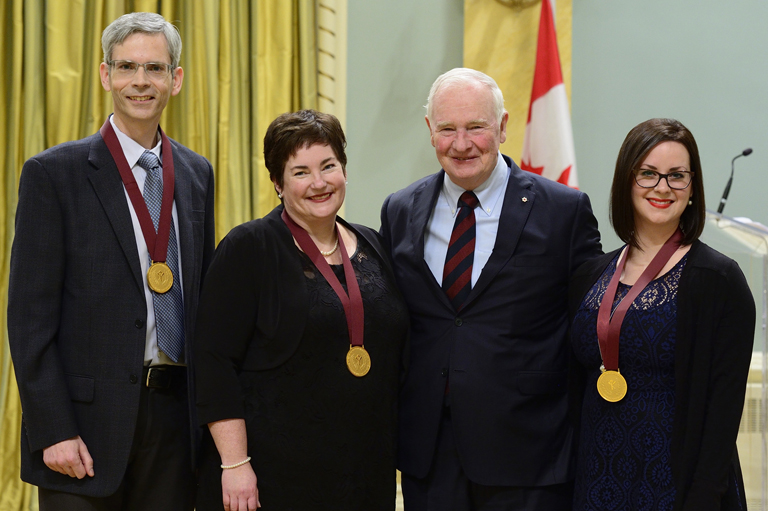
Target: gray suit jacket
[{"x": 76, "y": 305}]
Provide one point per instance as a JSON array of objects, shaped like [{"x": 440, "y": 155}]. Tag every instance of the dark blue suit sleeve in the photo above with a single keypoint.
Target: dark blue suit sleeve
[
  {"x": 35, "y": 289},
  {"x": 209, "y": 239},
  {"x": 585, "y": 238},
  {"x": 384, "y": 229}
]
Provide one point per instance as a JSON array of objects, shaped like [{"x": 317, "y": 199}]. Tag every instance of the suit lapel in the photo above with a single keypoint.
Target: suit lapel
[
  {"x": 424, "y": 199},
  {"x": 106, "y": 182},
  {"x": 519, "y": 198},
  {"x": 183, "y": 197}
]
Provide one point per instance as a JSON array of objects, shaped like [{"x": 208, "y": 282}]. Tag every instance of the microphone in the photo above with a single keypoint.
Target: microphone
[{"x": 745, "y": 152}]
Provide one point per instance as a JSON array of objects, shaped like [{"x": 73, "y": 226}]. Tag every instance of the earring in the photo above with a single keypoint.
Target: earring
[
  {"x": 279, "y": 195},
  {"x": 346, "y": 183},
  {"x": 690, "y": 202}
]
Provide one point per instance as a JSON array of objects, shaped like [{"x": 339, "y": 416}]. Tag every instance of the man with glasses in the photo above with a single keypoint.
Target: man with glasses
[{"x": 113, "y": 236}]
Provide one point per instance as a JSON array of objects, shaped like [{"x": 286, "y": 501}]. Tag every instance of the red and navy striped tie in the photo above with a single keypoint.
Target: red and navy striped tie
[{"x": 457, "y": 274}]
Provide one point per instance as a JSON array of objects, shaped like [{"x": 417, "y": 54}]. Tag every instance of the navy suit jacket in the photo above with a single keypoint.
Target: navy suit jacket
[
  {"x": 76, "y": 306},
  {"x": 506, "y": 351}
]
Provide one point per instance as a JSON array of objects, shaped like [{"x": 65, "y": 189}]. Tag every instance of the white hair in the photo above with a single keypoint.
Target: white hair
[{"x": 465, "y": 76}]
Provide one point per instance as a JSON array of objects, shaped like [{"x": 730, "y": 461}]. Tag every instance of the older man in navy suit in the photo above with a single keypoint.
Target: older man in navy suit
[
  {"x": 483, "y": 252},
  {"x": 113, "y": 235}
]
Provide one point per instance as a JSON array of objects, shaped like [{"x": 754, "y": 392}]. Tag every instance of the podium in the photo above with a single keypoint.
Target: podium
[{"x": 747, "y": 243}]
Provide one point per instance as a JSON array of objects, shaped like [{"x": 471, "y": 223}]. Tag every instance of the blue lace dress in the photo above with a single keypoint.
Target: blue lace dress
[{"x": 624, "y": 447}]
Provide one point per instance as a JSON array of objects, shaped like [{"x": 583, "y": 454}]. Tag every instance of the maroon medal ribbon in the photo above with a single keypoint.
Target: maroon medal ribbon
[
  {"x": 353, "y": 303},
  {"x": 609, "y": 325},
  {"x": 157, "y": 243}
]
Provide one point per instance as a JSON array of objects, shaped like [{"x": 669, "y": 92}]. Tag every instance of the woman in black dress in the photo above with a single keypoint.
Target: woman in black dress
[
  {"x": 299, "y": 339},
  {"x": 662, "y": 330}
]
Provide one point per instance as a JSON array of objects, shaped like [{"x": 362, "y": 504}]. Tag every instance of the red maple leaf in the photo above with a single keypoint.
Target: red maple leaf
[{"x": 535, "y": 170}]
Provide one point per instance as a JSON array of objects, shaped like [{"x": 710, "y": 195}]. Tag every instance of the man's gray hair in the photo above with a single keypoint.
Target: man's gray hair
[
  {"x": 142, "y": 22},
  {"x": 463, "y": 76}
]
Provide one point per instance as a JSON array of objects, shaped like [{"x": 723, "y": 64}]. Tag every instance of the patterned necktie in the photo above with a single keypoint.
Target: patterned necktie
[
  {"x": 457, "y": 274},
  {"x": 169, "y": 306}
]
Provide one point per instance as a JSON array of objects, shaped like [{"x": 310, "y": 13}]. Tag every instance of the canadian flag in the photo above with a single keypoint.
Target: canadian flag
[{"x": 548, "y": 144}]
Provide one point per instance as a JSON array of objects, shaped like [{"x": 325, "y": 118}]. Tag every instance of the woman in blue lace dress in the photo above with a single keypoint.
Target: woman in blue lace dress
[{"x": 662, "y": 337}]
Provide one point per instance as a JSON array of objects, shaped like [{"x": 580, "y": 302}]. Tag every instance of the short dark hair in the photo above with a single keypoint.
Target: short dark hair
[
  {"x": 296, "y": 130},
  {"x": 639, "y": 142}
]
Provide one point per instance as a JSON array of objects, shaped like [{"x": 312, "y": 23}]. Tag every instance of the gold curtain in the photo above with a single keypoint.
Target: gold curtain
[
  {"x": 500, "y": 38},
  {"x": 245, "y": 62}
]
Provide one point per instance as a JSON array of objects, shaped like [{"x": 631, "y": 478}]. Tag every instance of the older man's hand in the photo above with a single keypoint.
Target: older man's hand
[{"x": 69, "y": 457}]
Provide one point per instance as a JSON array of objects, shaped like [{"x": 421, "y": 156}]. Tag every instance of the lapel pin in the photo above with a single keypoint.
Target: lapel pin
[{"x": 524, "y": 199}]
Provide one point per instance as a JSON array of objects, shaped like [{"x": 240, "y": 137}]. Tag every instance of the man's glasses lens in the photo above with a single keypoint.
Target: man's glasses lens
[{"x": 129, "y": 68}]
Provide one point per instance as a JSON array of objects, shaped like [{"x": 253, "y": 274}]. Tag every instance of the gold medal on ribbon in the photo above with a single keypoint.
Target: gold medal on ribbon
[
  {"x": 159, "y": 278},
  {"x": 358, "y": 361},
  {"x": 612, "y": 386}
]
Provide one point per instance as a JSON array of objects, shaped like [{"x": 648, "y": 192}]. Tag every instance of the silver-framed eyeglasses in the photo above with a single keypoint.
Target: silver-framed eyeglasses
[
  {"x": 677, "y": 179},
  {"x": 128, "y": 68}
]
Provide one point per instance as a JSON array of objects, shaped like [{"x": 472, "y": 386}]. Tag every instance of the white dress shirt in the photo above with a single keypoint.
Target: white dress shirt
[
  {"x": 133, "y": 151},
  {"x": 487, "y": 214}
]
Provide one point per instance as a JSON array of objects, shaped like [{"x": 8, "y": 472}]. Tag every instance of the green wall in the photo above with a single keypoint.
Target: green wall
[
  {"x": 396, "y": 50},
  {"x": 700, "y": 61}
]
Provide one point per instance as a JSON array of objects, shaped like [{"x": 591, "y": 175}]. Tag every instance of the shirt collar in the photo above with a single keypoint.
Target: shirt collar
[
  {"x": 132, "y": 149},
  {"x": 487, "y": 193}
]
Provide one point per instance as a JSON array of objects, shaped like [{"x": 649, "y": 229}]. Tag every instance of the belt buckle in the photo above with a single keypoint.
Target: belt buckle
[{"x": 158, "y": 372}]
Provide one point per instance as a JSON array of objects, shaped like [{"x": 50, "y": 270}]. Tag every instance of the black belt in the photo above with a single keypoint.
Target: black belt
[{"x": 164, "y": 377}]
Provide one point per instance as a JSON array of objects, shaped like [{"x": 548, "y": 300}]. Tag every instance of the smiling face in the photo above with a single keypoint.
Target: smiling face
[
  {"x": 314, "y": 185},
  {"x": 466, "y": 133},
  {"x": 661, "y": 207},
  {"x": 139, "y": 101}
]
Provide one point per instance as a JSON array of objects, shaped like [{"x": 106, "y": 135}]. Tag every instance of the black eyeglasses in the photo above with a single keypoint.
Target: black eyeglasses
[
  {"x": 677, "y": 180},
  {"x": 128, "y": 68}
]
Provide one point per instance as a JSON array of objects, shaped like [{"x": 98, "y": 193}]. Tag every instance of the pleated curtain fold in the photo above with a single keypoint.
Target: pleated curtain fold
[{"x": 245, "y": 62}]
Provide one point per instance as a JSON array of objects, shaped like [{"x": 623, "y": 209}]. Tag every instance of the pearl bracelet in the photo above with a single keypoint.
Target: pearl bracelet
[{"x": 246, "y": 460}]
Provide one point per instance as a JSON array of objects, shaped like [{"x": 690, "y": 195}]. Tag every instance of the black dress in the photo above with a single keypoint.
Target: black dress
[
  {"x": 714, "y": 335},
  {"x": 624, "y": 458},
  {"x": 319, "y": 437}
]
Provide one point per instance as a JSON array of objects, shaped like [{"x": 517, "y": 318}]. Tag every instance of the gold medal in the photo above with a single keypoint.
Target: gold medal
[
  {"x": 160, "y": 278},
  {"x": 612, "y": 386},
  {"x": 358, "y": 361}
]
